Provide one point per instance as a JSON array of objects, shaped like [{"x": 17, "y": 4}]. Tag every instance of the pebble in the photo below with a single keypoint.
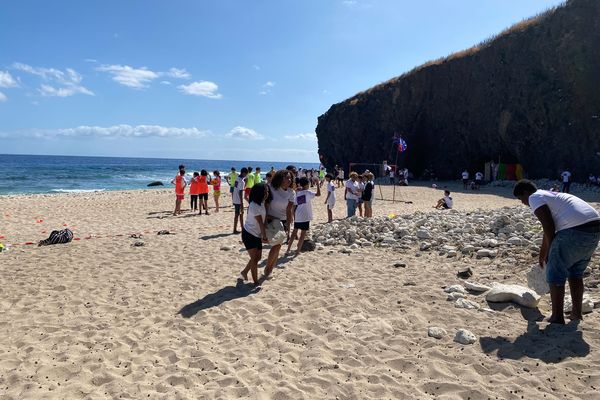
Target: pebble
[
  {"x": 455, "y": 288},
  {"x": 226, "y": 248},
  {"x": 476, "y": 287},
  {"x": 464, "y": 336},
  {"x": 465, "y": 303},
  {"x": 436, "y": 332}
]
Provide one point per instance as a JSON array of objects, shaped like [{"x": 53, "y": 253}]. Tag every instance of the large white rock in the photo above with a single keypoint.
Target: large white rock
[
  {"x": 536, "y": 280},
  {"x": 455, "y": 288},
  {"x": 464, "y": 336},
  {"x": 476, "y": 287},
  {"x": 436, "y": 332},
  {"x": 501, "y": 293}
]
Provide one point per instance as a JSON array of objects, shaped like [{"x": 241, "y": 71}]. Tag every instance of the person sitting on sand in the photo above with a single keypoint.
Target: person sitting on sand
[
  {"x": 445, "y": 202},
  {"x": 303, "y": 214},
  {"x": 571, "y": 234},
  {"x": 254, "y": 233}
]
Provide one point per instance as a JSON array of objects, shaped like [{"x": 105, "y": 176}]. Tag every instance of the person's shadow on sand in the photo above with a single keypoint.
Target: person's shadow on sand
[
  {"x": 552, "y": 344},
  {"x": 219, "y": 297}
]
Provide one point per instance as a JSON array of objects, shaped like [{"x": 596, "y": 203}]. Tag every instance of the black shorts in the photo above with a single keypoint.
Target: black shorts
[
  {"x": 251, "y": 241},
  {"x": 203, "y": 196},
  {"x": 465, "y": 181},
  {"x": 303, "y": 226},
  {"x": 238, "y": 209},
  {"x": 445, "y": 205}
]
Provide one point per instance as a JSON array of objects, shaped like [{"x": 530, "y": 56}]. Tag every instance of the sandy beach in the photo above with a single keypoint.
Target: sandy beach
[{"x": 101, "y": 318}]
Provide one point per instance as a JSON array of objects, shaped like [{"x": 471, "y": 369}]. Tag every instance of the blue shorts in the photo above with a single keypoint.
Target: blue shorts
[{"x": 569, "y": 255}]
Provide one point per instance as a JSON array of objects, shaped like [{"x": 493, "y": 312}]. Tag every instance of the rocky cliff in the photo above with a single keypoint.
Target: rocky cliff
[{"x": 531, "y": 95}]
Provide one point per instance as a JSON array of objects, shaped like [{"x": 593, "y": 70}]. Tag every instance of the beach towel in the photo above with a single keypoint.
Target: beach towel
[{"x": 57, "y": 237}]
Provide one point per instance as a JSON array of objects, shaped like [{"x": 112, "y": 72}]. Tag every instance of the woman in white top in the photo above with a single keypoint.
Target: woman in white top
[
  {"x": 253, "y": 232},
  {"x": 280, "y": 207},
  {"x": 352, "y": 194}
]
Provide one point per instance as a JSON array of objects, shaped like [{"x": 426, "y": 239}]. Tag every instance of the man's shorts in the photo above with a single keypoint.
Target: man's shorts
[
  {"x": 238, "y": 209},
  {"x": 203, "y": 196},
  {"x": 465, "y": 181},
  {"x": 569, "y": 254},
  {"x": 179, "y": 196},
  {"x": 303, "y": 226},
  {"x": 216, "y": 193}
]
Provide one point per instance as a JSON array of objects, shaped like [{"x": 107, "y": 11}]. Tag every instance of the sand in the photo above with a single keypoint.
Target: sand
[{"x": 99, "y": 318}]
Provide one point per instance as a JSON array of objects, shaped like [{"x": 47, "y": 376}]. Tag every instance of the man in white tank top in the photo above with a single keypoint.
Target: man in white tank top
[{"x": 571, "y": 235}]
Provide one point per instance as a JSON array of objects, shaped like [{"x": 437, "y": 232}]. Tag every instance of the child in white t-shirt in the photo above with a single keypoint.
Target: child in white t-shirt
[
  {"x": 445, "y": 202},
  {"x": 303, "y": 213},
  {"x": 330, "y": 200},
  {"x": 254, "y": 233}
]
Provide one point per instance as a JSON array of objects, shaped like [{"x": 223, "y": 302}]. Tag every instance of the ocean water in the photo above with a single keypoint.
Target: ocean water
[{"x": 21, "y": 174}]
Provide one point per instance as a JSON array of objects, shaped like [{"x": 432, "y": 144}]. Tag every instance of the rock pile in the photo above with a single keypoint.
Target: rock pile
[{"x": 450, "y": 233}]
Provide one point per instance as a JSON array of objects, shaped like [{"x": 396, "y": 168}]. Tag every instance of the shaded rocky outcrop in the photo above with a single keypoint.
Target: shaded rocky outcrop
[{"x": 531, "y": 96}]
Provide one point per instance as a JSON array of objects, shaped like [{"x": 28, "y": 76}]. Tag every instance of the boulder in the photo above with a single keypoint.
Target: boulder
[
  {"x": 476, "y": 287},
  {"x": 586, "y": 307},
  {"x": 455, "y": 288},
  {"x": 502, "y": 293}
]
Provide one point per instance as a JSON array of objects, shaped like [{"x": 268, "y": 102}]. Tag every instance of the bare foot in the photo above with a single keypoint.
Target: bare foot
[{"x": 244, "y": 275}]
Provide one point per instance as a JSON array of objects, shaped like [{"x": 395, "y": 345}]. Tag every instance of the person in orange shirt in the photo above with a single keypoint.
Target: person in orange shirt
[
  {"x": 194, "y": 191},
  {"x": 203, "y": 191},
  {"x": 180, "y": 184},
  {"x": 216, "y": 182}
]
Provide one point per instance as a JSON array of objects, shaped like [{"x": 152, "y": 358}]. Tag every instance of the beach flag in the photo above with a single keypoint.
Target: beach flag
[{"x": 401, "y": 143}]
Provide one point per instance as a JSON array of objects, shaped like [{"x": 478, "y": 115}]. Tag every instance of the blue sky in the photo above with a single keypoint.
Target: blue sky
[{"x": 221, "y": 79}]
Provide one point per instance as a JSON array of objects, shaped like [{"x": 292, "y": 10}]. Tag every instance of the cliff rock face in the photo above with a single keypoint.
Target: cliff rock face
[{"x": 529, "y": 96}]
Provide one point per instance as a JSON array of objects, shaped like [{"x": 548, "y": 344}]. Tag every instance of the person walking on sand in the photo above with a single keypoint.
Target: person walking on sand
[
  {"x": 571, "y": 234},
  {"x": 216, "y": 184},
  {"x": 238, "y": 199},
  {"x": 303, "y": 214},
  {"x": 180, "y": 184},
  {"x": 253, "y": 232},
  {"x": 330, "y": 200},
  {"x": 280, "y": 208}
]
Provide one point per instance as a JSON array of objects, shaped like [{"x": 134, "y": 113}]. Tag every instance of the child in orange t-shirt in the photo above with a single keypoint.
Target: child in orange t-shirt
[
  {"x": 216, "y": 182},
  {"x": 203, "y": 192},
  {"x": 194, "y": 190},
  {"x": 180, "y": 184}
]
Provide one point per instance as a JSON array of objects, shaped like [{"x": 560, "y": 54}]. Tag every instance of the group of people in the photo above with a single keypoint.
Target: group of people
[
  {"x": 198, "y": 190},
  {"x": 473, "y": 184}
]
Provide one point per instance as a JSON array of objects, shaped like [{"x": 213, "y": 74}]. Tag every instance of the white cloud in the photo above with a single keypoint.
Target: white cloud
[
  {"x": 115, "y": 131},
  {"x": 263, "y": 92},
  {"x": 240, "y": 132},
  {"x": 201, "y": 88},
  {"x": 269, "y": 84},
  {"x": 64, "y": 83},
  {"x": 266, "y": 88},
  {"x": 165, "y": 82},
  {"x": 6, "y": 80},
  {"x": 350, "y": 3},
  {"x": 302, "y": 136},
  {"x": 2, "y": 97},
  {"x": 178, "y": 73},
  {"x": 326, "y": 92},
  {"x": 256, "y": 67},
  {"x": 50, "y": 91},
  {"x": 91, "y": 60},
  {"x": 137, "y": 78}
]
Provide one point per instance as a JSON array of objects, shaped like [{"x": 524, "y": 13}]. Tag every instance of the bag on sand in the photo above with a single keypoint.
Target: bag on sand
[
  {"x": 275, "y": 232},
  {"x": 57, "y": 237}
]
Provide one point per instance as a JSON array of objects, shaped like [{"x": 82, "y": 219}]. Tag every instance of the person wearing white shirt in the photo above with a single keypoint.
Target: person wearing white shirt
[
  {"x": 465, "y": 179},
  {"x": 478, "y": 179},
  {"x": 254, "y": 233},
  {"x": 352, "y": 194},
  {"x": 280, "y": 208},
  {"x": 303, "y": 214},
  {"x": 566, "y": 181},
  {"x": 330, "y": 200},
  {"x": 237, "y": 198},
  {"x": 445, "y": 202},
  {"x": 571, "y": 234}
]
